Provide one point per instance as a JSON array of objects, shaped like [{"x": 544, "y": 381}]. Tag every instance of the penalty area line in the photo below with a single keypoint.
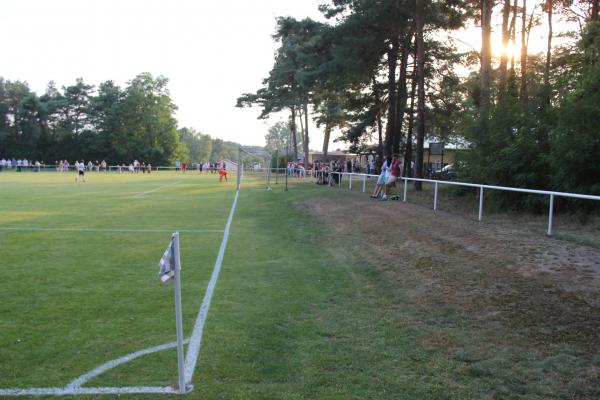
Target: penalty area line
[{"x": 140, "y": 195}]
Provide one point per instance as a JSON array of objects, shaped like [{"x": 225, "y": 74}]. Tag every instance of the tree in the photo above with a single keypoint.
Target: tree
[
  {"x": 150, "y": 129},
  {"x": 575, "y": 141},
  {"x": 75, "y": 107},
  {"x": 486, "y": 57},
  {"x": 278, "y": 137},
  {"x": 420, "y": 76}
]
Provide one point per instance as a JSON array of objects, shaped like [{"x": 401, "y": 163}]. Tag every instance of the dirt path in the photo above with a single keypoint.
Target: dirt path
[{"x": 420, "y": 232}]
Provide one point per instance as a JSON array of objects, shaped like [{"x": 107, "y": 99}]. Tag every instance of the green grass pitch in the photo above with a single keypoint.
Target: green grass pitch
[{"x": 297, "y": 312}]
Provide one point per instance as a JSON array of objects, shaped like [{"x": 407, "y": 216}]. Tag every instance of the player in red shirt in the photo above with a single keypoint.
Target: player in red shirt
[{"x": 222, "y": 174}]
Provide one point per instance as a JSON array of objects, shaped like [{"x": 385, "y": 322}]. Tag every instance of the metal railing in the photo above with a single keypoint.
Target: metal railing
[{"x": 481, "y": 188}]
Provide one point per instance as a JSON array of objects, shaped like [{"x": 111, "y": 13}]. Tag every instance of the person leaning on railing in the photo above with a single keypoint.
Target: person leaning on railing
[
  {"x": 395, "y": 174},
  {"x": 381, "y": 180}
]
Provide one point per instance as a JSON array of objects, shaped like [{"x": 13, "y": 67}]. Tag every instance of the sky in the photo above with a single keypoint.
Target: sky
[{"x": 211, "y": 51}]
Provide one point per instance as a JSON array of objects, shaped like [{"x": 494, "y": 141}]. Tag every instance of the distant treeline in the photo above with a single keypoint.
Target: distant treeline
[{"x": 108, "y": 123}]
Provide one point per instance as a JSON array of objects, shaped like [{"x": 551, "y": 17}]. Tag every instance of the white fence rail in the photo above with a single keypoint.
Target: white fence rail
[{"x": 481, "y": 187}]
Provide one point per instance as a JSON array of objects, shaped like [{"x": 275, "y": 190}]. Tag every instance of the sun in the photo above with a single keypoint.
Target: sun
[{"x": 510, "y": 50}]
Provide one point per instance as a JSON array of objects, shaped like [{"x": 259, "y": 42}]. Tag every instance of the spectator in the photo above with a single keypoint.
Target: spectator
[
  {"x": 381, "y": 180},
  {"x": 395, "y": 173}
]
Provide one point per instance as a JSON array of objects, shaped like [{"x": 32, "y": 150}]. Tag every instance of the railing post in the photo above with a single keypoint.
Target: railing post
[
  {"x": 405, "y": 186},
  {"x": 550, "y": 214},
  {"x": 350, "y": 184},
  {"x": 339, "y": 180},
  {"x": 364, "y": 183},
  {"x": 435, "y": 192},
  {"x": 480, "y": 214}
]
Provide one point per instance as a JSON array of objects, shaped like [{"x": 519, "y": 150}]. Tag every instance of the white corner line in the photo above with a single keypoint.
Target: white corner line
[
  {"x": 140, "y": 195},
  {"x": 196, "y": 338},
  {"x": 77, "y": 383}
]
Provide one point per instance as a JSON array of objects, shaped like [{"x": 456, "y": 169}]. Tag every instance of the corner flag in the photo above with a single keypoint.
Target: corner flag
[
  {"x": 167, "y": 264},
  {"x": 170, "y": 266}
]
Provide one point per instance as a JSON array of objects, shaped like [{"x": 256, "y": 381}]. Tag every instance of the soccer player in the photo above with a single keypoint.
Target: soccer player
[
  {"x": 222, "y": 174},
  {"x": 80, "y": 172}
]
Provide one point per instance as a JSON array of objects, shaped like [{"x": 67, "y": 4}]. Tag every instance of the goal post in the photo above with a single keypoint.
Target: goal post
[{"x": 247, "y": 155}]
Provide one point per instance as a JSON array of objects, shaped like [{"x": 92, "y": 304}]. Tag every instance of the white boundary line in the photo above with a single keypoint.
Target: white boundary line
[
  {"x": 58, "y": 391},
  {"x": 40, "y": 229},
  {"x": 196, "y": 338},
  {"x": 74, "y": 387},
  {"x": 141, "y": 195}
]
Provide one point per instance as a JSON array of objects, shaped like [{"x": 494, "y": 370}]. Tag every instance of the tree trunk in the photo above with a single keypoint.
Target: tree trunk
[
  {"x": 594, "y": 14},
  {"x": 300, "y": 115},
  {"x": 505, "y": 40},
  {"x": 420, "y": 91},
  {"x": 390, "y": 129},
  {"x": 513, "y": 38},
  {"x": 305, "y": 140},
  {"x": 294, "y": 143},
  {"x": 524, "y": 56},
  {"x": 326, "y": 137},
  {"x": 379, "y": 123},
  {"x": 402, "y": 93},
  {"x": 411, "y": 120},
  {"x": 549, "y": 6},
  {"x": 486, "y": 56}
]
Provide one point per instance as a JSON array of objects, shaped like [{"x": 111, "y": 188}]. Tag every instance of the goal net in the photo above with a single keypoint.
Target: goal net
[{"x": 255, "y": 161}]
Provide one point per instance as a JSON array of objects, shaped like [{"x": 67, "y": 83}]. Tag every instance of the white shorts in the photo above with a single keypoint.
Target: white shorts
[{"x": 390, "y": 179}]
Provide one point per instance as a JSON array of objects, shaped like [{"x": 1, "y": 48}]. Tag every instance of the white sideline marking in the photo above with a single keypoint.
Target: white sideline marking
[
  {"x": 77, "y": 383},
  {"x": 35, "y": 229},
  {"x": 196, "y": 338},
  {"x": 140, "y": 195},
  {"x": 58, "y": 391}
]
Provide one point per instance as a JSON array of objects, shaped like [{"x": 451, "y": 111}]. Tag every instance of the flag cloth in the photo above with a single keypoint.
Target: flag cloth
[{"x": 167, "y": 264}]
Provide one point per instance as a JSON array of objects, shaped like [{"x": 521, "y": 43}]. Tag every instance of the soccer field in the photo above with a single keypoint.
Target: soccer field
[
  {"x": 81, "y": 266},
  {"x": 322, "y": 294}
]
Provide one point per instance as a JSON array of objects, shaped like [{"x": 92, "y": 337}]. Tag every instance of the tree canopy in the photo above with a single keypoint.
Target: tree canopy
[{"x": 385, "y": 74}]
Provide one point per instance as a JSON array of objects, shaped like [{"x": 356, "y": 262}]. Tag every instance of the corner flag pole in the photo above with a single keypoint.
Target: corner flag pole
[{"x": 178, "y": 318}]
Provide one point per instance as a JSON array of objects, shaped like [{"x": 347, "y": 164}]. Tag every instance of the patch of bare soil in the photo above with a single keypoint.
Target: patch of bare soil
[{"x": 513, "y": 288}]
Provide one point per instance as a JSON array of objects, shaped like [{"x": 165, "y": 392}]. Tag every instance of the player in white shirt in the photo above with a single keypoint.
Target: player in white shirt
[{"x": 80, "y": 171}]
